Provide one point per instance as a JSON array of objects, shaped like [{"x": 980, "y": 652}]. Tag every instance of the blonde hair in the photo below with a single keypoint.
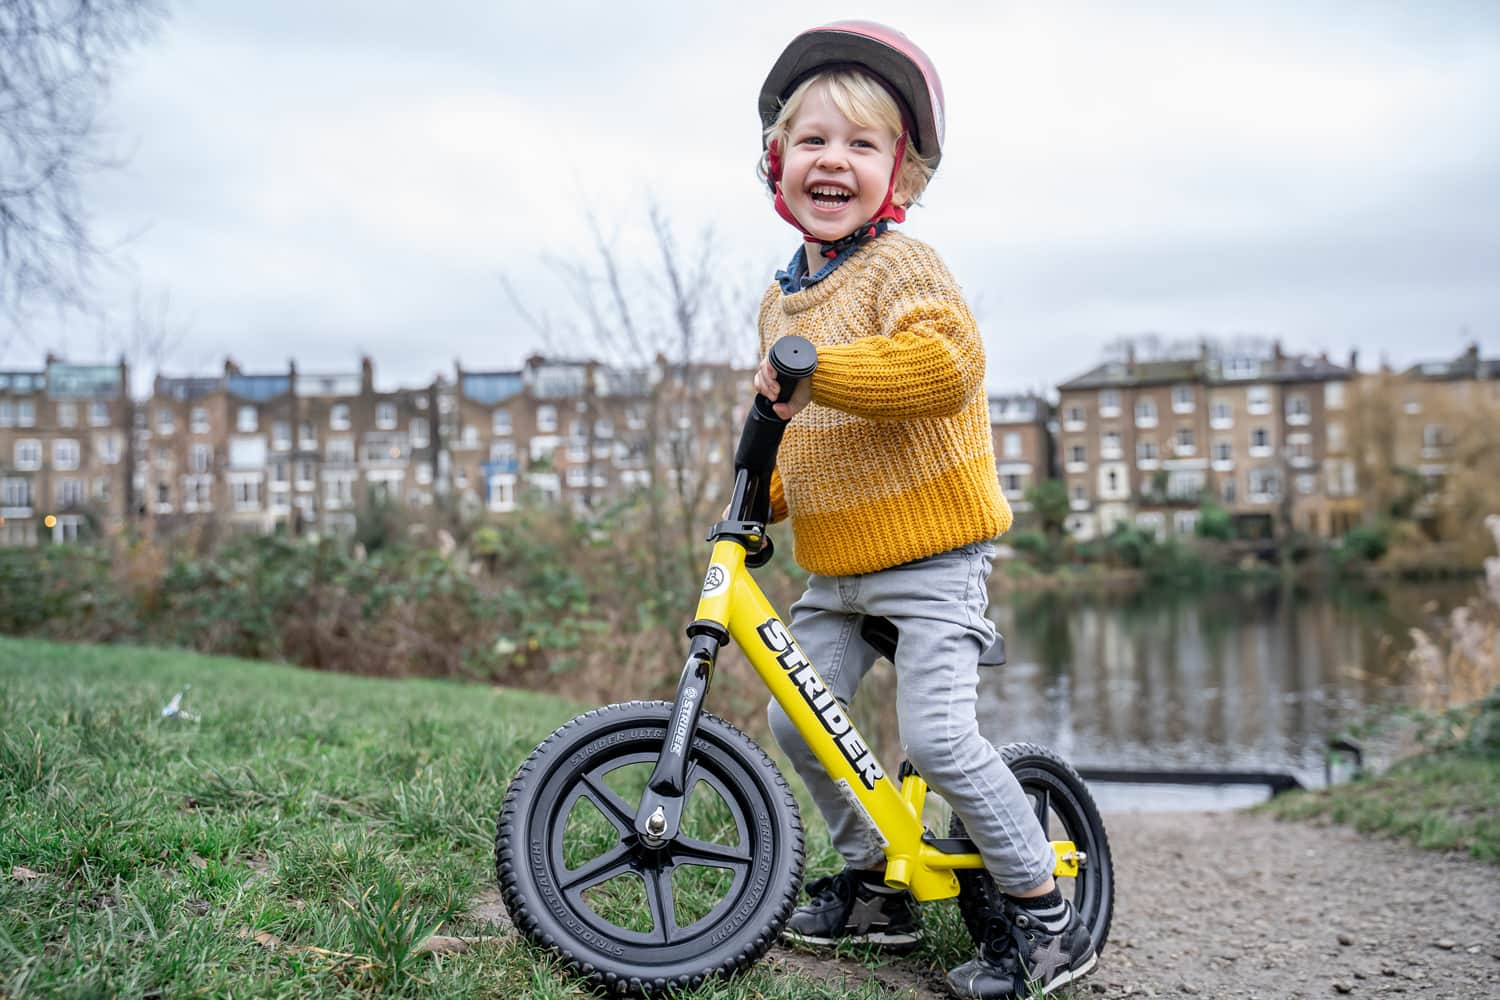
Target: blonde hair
[{"x": 864, "y": 101}]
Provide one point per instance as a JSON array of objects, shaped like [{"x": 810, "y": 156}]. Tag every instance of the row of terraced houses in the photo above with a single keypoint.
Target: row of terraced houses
[{"x": 1270, "y": 438}]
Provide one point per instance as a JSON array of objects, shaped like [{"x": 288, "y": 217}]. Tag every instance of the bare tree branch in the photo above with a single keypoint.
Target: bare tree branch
[{"x": 57, "y": 59}]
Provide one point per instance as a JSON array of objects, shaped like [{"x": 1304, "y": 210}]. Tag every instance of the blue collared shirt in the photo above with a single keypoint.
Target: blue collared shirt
[{"x": 795, "y": 277}]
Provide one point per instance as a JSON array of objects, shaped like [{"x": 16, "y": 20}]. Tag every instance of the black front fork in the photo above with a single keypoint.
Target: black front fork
[{"x": 660, "y": 812}]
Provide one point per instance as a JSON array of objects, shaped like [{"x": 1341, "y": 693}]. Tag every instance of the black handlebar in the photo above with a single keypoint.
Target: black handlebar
[{"x": 794, "y": 358}]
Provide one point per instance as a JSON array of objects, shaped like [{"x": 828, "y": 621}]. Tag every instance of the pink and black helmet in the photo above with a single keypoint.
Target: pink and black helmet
[{"x": 885, "y": 52}]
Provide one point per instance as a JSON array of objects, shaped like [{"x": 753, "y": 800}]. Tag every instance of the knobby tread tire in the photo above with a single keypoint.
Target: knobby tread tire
[
  {"x": 977, "y": 891},
  {"x": 637, "y": 977}
]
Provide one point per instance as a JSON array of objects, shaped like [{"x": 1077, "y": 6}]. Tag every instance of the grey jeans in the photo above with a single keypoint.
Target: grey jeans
[{"x": 938, "y": 604}]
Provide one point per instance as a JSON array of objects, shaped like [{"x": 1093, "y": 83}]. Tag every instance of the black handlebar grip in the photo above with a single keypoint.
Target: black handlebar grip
[{"x": 794, "y": 359}]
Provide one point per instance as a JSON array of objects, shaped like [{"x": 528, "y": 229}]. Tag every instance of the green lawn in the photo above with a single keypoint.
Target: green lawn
[
  {"x": 1443, "y": 801},
  {"x": 296, "y": 839}
]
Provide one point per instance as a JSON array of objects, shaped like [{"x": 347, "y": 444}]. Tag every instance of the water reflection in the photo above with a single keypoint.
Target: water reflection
[{"x": 1247, "y": 680}]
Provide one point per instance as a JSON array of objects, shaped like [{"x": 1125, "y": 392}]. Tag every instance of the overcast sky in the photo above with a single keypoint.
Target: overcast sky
[{"x": 320, "y": 181}]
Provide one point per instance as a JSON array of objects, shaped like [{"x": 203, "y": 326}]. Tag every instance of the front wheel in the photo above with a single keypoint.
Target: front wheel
[
  {"x": 1066, "y": 810},
  {"x": 579, "y": 882}
]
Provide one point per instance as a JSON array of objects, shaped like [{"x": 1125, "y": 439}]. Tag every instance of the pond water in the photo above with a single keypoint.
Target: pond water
[{"x": 1252, "y": 680}]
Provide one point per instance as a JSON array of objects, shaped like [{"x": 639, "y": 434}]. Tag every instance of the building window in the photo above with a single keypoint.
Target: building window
[
  {"x": 604, "y": 428},
  {"x": 385, "y": 416},
  {"x": 247, "y": 420},
  {"x": 1335, "y": 434},
  {"x": 1183, "y": 443},
  {"x": 420, "y": 435},
  {"x": 1260, "y": 442},
  {"x": 1182, "y": 399},
  {"x": 338, "y": 417},
  {"x": 1307, "y": 484},
  {"x": 304, "y": 475},
  {"x": 1077, "y": 455},
  {"x": 340, "y": 452},
  {"x": 1145, "y": 413},
  {"x": 166, "y": 422},
  {"x": 1109, "y": 445},
  {"x": 468, "y": 436},
  {"x": 198, "y": 420},
  {"x": 7, "y": 413},
  {"x": 25, "y": 413},
  {"x": 1229, "y": 491},
  {"x": 1011, "y": 483},
  {"x": 245, "y": 493},
  {"x": 500, "y": 423},
  {"x": 1333, "y": 396},
  {"x": 1109, "y": 403},
  {"x": 28, "y": 455},
  {"x": 281, "y": 436},
  {"x": 546, "y": 419},
  {"x": 99, "y": 414},
  {"x": 15, "y": 493},
  {"x": 67, "y": 414},
  {"x": 1011, "y": 445},
  {"x": 1223, "y": 453},
  {"x": 1074, "y": 418},
  {"x": 65, "y": 454},
  {"x": 1258, "y": 399},
  {"x": 69, "y": 492},
  {"x": 201, "y": 458},
  {"x": 1297, "y": 411},
  {"x": 1265, "y": 485},
  {"x": 1145, "y": 452},
  {"x": 1434, "y": 439},
  {"x": 107, "y": 447}
]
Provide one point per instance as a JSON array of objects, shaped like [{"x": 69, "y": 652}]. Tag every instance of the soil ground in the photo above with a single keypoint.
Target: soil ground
[{"x": 1238, "y": 905}]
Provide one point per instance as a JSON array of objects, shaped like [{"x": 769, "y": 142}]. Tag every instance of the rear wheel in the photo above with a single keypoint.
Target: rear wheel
[
  {"x": 1066, "y": 810},
  {"x": 579, "y": 882}
]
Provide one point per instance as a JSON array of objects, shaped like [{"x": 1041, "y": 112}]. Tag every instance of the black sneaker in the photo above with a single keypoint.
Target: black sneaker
[
  {"x": 844, "y": 907},
  {"x": 1020, "y": 958}
]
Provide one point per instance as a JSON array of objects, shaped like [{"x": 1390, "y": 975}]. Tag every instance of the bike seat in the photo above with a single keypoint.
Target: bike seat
[{"x": 882, "y": 635}]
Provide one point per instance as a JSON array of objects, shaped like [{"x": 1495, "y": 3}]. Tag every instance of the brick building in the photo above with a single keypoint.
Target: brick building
[{"x": 64, "y": 458}]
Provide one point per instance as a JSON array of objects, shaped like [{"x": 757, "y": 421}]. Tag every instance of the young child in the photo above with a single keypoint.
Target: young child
[{"x": 888, "y": 476}]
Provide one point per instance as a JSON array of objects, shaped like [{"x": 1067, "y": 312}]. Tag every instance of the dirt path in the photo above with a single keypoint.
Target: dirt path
[{"x": 1240, "y": 906}]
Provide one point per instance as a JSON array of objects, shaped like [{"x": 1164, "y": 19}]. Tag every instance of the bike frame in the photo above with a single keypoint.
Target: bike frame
[{"x": 732, "y": 606}]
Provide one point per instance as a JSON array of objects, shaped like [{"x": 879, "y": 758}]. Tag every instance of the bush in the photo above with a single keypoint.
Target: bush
[
  {"x": 1368, "y": 542},
  {"x": 1215, "y": 522}
]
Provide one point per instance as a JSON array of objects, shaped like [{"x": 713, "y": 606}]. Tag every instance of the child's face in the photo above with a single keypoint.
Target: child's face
[{"x": 834, "y": 173}]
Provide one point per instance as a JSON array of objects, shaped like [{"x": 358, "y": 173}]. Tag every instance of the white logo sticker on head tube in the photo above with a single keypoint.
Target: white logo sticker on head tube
[{"x": 716, "y": 581}]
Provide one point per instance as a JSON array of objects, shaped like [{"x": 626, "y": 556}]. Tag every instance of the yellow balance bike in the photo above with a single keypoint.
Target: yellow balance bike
[{"x": 651, "y": 845}]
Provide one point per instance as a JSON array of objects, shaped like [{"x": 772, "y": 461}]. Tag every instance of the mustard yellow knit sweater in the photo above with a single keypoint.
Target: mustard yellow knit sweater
[{"x": 892, "y": 460}]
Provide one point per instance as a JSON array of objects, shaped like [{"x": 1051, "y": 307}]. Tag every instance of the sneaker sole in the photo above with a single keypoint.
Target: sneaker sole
[
  {"x": 1071, "y": 975},
  {"x": 890, "y": 942}
]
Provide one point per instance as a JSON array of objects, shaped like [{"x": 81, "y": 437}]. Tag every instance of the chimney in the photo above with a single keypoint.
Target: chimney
[
  {"x": 230, "y": 368},
  {"x": 1130, "y": 358},
  {"x": 366, "y": 375},
  {"x": 1276, "y": 352},
  {"x": 1354, "y": 359},
  {"x": 1471, "y": 355}
]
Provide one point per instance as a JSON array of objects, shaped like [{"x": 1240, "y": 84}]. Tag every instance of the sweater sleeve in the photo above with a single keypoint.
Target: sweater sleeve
[
  {"x": 926, "y": 361},
  {"x": 778, "y": 497}
]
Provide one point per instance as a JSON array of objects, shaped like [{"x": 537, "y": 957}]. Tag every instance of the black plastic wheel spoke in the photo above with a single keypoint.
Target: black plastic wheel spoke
[
  {"x": 615, "y": 809},
  {"x": 601, "y": 869},
  {"x": 686, "y": 850},
  {"x": 1043, "y": 809},
  {"x": 662, "y": 904}
]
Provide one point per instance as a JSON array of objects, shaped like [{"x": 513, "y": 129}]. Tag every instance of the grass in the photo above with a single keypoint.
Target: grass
[
  {"x": 300, "y": 835},
  {"x": 1445, "y": 801}
]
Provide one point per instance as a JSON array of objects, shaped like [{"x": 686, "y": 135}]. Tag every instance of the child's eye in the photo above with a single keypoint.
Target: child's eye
[{"x": 811, "y": 140}]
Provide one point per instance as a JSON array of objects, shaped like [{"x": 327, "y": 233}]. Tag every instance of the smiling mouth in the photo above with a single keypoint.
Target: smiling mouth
[{"x": 829, "y": 198}]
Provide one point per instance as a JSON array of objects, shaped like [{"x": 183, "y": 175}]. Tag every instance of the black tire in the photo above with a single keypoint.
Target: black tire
[
  {"x": 742, "y": 876},
  {"x": 1067, "y": 812}
]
